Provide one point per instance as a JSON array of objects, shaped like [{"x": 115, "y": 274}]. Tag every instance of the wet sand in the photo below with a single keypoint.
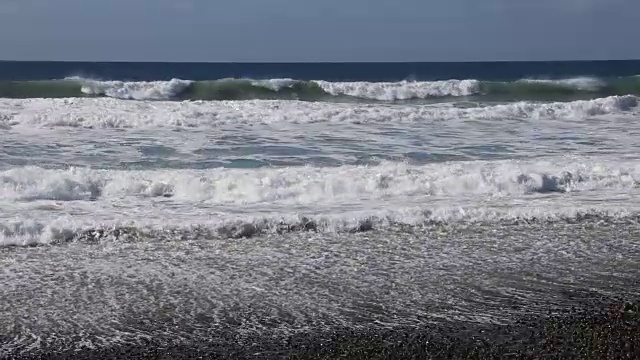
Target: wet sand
[{"x": 598, "y": 329}]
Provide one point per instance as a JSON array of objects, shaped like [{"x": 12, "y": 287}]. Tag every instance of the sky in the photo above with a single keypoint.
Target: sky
[{"x": 319, "y": 30}]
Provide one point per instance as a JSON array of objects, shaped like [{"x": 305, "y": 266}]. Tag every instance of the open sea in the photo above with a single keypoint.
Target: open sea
[{"x": 234, "y": 207}]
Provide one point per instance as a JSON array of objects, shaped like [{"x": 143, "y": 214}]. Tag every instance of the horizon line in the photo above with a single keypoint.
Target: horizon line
[{"x": 314, "y": 62}]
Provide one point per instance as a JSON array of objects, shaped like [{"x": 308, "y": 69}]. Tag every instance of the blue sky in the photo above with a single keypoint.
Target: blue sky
[{"x": 327, "y": 30}]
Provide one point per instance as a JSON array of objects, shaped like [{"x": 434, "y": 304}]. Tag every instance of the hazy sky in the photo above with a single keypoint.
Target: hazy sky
[{"x": 319, "y": 30}]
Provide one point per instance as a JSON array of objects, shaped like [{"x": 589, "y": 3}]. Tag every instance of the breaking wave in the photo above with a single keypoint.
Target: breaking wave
[
  {"x": 89, "y": 113},
  {"x": 315, "y": 186},
  {"x": 34, "y": 233},
  {"x": 241, "y": 203},
  {"x": 319, "y": 90}
]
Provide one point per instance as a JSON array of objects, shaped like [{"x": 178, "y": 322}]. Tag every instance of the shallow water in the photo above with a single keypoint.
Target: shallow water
[{"x": 174, "y": 290}]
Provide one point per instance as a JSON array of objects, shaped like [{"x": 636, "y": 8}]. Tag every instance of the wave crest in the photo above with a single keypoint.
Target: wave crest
[
  {"x": 404, "y": 90},
  {"x": 63, "y": 231},
  {"x": 320, "y": 90},
  {"x": 156, "y": 90},
  {"x": 317, "y": 186}
]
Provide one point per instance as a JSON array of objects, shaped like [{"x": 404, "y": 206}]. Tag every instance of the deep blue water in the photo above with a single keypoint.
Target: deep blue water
[{"x": 136, "y": 71}]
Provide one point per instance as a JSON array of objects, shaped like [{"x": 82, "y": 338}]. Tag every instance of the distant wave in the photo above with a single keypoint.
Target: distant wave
[{"x": 319, "y": 90}]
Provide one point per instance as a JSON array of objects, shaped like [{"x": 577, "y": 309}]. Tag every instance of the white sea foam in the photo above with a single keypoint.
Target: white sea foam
[
  {"x": 314, "y": 186},
  {"x": 153, "y": 90},
  {"x": 23, "y": 230},
  {"x": 80, "y": 112},
  {"x": 579, "y": 83},
  {"x": 383, "y": 91},
  {"x": 340, "y": 197},
  {"x": 403, "y": 90}
]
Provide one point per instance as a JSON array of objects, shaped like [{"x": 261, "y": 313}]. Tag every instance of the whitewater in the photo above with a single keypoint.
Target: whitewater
[
  {"x": 196, "y": 211},
  {"x": 322, "y": 90}
]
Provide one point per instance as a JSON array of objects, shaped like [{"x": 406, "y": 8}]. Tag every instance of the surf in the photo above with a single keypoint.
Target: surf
[
  {"x": 322, "y": 90},
  {"x": 238, "y": 203},
  {"x": 89, "y": 113}
]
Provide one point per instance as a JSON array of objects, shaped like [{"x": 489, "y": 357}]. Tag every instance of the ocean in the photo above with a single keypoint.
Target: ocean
[{"x": 158, "y": 208}]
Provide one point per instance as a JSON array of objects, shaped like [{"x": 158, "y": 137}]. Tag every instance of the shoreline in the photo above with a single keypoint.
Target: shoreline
[{"x": 597, "y": 330}]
